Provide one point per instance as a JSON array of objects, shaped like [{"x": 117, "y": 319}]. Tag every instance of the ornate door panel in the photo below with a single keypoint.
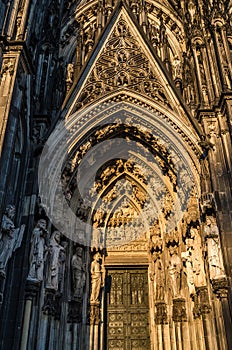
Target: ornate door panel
[{"x": 127, "y": 310}]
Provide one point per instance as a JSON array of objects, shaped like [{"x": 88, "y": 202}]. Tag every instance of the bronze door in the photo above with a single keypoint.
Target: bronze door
[{"x": 127, "y": 310}]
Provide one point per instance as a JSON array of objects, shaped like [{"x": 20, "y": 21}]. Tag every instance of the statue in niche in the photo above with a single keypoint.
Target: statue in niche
[
  {"x": 156, "y": 241},
  {"x": 158, "y": 277},
  {"x": 194, "y": 246},
  {"x": 96, "y": 237},
  {"x": 176, "y": 67},
  {"x": 174, "y": 270},
  {"x": 55, "y": 249},
  {"x": 96, "y": 278},
  {"x": 193, "y": 209},
  {"x": 89, "y": 42},
  {"x": 38, "y": 250},
  {"x": 11, "y": 237},
  {"x": 190, "y": 276},
  {"x": 61, "y": 271},
  {"x": 187, "y": 258},
  {"x": 216, "y": 267},
  {"x": 198, "y": 270},
  {"x": 78, "y": 273},
  {"x": 70, "y": 72}
]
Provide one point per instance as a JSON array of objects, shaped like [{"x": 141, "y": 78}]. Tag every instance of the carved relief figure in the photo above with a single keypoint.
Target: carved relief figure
[
  {"x": 96, "y": 278},
  {"x": 8, "y": 237},
  {"x": 55, "y": 249},
  {"x": 216, "y": 267},
  {"x": 140, "y": 289},
  {"x": 134, "y": 290},
  {"x": 78, "y": 273},
  {"x": 116, "y": 289},
  {"x": 174, "y": 269},
  {"x": 37, "y": 253}
]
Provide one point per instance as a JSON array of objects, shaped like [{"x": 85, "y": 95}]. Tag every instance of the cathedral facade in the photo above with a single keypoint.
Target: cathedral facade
[{"x": 116, "y": 174}]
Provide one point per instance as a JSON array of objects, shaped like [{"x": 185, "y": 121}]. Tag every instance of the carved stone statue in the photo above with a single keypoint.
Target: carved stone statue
[
  {"x": 159, "y": 277},
  {"x": 176, "y": 67},
  {"x": 96, "y": 236},
  {"x": 10, "y": 237},
  {"x": 70, "y": 71},
  {"x": 96, "y": 278},
  {"x": 89, "y": 42},
  {"x": 55, "y": 249},
  {"x": 37, "y": 253},
  {"x": 194, "y": 246},
  {"x": 215, "y": 260},
  {"x": 78, "y": 273},
  {"x": 62, "y": 259},
  {"x": 174, "y": 269},
  {"x": 211, "y": 229},
  {"x": 187, "y": 258}
]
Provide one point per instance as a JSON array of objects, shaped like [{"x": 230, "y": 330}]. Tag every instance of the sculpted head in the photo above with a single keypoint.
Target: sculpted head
[
  {"x": 10, "y": 211},
  {"x": 193, "y": 232},
  {"x": 173, "y": 250},
  {"x": 210, "y": 220},
  {"x": 97, "y": 256},
  {"x": 42, "y": 224},
  {"x": 78, "y": 251},
  {"x": 56, "y": 236}
]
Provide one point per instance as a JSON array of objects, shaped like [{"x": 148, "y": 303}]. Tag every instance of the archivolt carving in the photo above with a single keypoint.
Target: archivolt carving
[
  {"x": 123, "y": 190},
  {"x": 133, "y": 115}
]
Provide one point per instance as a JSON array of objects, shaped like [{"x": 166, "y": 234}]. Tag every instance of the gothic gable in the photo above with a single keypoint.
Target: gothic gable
[
  {"x": 123, "y": 60},
  {"x": 123, "y": 65}
]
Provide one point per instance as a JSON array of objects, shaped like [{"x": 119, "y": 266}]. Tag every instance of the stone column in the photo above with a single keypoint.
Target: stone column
[
  {"x": 162, "y": 327},
  {"x": 179, "y": 316},
  {"x": 32, "y": 290},
  {"x": 207, "y": 319},
  {"x": 94, "y": 325},
  {"x": 220, "y": 287}
]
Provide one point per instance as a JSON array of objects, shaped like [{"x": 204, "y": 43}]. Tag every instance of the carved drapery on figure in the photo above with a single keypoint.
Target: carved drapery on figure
[
  {"x": 187, "y": 259},
  {"x": 158, "y": 277},
  {"x": 215, "y": 260},
  {"x": 69, "y": 77},
  {"x": 38, "y": 250},
  {"x": 194, "y": 243},
  {"x": 194, "y": 264},
  {"x": 96, "y": 278},
  {"x": 78, "y": 273},
  {"x": 10, "y": 237},
  {"x": 61, "y": 272},
  {"x": 55, "y": 251},
  {"x": 174, "y": 270}
]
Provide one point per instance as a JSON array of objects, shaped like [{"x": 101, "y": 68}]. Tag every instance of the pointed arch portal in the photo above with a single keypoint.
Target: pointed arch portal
[
  {"x": 123, "y": 170},
  {"x": 129, "y": 176},
  {"x": 116, "y": 130}
]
